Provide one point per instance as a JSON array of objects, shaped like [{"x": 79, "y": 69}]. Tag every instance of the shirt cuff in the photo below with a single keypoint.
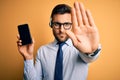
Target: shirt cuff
[
  {"x": 28, "y": 64},
  {"x": 96, "y": 52}
]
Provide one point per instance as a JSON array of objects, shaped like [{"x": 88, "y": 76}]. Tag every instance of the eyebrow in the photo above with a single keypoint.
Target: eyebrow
[{"x": 62, "y": 23}]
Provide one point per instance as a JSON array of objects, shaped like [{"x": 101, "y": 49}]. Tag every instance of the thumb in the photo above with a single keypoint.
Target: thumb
[{"x": 72, "y": 36}]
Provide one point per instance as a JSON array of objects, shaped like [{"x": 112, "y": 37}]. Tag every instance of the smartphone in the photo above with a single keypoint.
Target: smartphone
[{"x": 24, "y": 33}]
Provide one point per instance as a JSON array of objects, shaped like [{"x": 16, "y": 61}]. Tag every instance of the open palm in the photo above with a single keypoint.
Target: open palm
[{"x": 85, "y": 34}]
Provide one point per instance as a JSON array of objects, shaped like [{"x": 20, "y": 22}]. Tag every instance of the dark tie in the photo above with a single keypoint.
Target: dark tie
[{"x": 59, "y": 63}]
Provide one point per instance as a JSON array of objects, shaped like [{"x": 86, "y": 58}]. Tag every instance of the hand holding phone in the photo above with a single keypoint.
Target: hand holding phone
[{"x": 24, "y": 33}]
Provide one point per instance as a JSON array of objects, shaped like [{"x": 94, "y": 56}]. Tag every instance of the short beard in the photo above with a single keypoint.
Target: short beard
[{"x": 60, "y": 40}]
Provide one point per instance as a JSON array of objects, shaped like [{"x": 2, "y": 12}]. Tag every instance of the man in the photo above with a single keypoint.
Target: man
[{"x": 76, "y": 31}]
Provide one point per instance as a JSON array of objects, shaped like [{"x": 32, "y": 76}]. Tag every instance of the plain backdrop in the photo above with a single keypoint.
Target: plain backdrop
[{"x": 36, "y": 13}]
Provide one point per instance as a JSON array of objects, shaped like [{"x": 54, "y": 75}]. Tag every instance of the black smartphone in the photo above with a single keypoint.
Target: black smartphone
[{"x": 24, "y": 33}]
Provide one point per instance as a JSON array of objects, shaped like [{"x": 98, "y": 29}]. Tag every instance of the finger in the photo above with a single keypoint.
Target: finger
[
  {"x": 18, "y": 36},
  {"x": 33, "y": 42},
  {"x": 74, "y": 19},
  {"x": 90, "y": 18},
  {"x": 78, "y": 13},
  {"x": 19, "y": 43},
  {"x": 72, "y": 36},
  {"x": 83, "y": 12}
]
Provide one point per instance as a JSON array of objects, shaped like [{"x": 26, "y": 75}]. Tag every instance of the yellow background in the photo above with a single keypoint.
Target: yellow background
[{"x": 36, "y": 13}]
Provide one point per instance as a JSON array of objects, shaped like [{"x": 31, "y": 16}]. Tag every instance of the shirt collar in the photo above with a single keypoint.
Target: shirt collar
[{"x": 68, "y": 42}]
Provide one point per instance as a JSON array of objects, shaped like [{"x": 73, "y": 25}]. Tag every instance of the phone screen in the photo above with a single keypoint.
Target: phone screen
[{"x": 24, "y": 33}]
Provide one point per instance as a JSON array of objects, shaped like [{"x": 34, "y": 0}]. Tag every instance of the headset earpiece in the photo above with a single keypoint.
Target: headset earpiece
[{"x": 50, "y": 23}]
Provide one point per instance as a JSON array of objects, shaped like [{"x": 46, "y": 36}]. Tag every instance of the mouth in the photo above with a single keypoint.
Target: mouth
[{"x": 61, "y": 35}]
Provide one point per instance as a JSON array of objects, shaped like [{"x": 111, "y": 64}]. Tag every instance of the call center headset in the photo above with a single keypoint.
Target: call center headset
[{"x": 50, "y": 23}]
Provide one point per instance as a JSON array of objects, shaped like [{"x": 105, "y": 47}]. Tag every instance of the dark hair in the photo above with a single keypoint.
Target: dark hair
[{"x": 60, "y": 9}]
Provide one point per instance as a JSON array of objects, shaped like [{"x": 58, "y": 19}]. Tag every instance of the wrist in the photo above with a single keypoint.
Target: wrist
[
  {"x": 94, "y": 52},
  {"x": 30, "y": 57}
]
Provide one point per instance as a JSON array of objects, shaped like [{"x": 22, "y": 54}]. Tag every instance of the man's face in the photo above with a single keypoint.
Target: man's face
[{"x": 60, "y": 33}]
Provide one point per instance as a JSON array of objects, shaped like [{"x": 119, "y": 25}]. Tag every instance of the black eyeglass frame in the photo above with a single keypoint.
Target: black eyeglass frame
[{"x": 57, "y": 25}]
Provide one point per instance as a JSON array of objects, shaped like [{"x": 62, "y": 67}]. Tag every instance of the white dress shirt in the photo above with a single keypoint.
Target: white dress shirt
[{"x": 75, "y": 63}]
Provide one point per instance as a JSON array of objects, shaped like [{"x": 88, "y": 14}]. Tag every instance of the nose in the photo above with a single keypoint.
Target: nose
[{"x": 61, "y": 28}]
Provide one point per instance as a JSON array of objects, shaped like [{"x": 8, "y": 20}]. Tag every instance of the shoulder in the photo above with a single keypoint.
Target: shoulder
[
  {"x": 48, "y": 46},
  {"x": 44, "y": 46},
  {"x": 44, "y": 50}
]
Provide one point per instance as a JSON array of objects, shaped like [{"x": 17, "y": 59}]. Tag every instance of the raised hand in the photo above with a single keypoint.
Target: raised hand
[
  {"x": 25, "y": 50},
  {"x": 84, "y": 34}
]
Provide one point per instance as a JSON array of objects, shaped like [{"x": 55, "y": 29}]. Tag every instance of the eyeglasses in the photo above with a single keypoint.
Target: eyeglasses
[{"x": 57, "y": 25}]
